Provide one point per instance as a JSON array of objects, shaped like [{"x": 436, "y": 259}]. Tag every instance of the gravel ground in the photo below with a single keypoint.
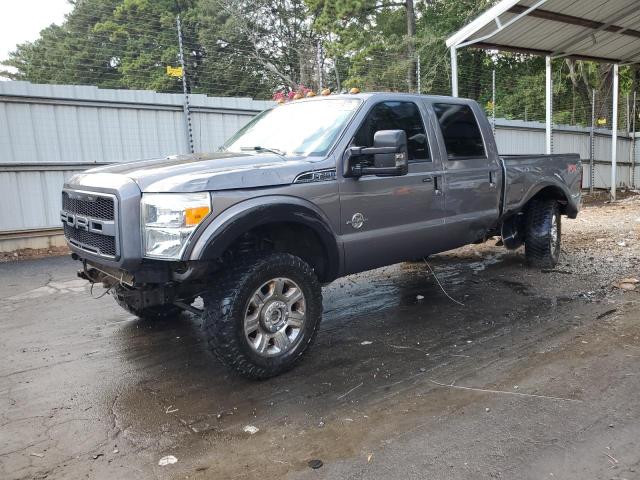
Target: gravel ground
[{"x": 529, "y": 374}]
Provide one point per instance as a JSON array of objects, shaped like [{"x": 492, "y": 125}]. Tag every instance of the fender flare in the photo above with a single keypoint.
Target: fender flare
[
  {"x": 572, "y": 206},
  {"x": 224, "y": 229}
]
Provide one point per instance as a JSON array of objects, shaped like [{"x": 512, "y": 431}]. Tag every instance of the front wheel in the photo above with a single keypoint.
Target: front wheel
[
  {"x": 543, "y": 232},
  {"x": 262, "y": 314}
]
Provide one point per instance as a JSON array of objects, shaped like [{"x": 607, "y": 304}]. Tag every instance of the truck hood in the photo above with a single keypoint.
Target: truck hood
[{"x": 213, "y": 171}]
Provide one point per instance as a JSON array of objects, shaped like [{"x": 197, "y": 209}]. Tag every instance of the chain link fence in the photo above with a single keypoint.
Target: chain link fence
[{"x": 136, "y": 45}]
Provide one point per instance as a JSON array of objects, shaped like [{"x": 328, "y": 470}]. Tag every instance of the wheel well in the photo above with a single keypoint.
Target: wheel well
[
  {"x": 286, "y": 237},
  {"x": 552, "y": 193}
]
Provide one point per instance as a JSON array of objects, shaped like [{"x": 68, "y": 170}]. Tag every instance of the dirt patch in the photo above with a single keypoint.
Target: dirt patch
[{"x": 33, "y": 253}]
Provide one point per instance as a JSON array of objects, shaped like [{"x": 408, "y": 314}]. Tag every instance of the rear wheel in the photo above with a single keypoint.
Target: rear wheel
[
  {"x": 262, "y": 314},
  {"x": 543, "y": 233}
]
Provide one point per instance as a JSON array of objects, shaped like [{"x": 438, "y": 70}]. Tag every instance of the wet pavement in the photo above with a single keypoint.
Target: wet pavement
[{"x": 521, "y": 374}]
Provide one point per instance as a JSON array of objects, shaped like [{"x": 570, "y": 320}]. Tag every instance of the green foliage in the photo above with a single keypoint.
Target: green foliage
[
  {"x": 107, "y": 43},
  {"x": 143, "y": 35},
  {"x": 255, "y": 47}
]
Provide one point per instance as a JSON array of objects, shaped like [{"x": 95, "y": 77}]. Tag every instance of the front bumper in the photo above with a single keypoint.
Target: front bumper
[{"x": 147, "y": 273}]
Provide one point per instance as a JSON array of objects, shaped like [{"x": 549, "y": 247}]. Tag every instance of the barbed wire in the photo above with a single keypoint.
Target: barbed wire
[{"x": 114, "y": 65}]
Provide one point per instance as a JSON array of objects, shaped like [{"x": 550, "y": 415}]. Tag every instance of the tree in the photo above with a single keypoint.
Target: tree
[
  {"x": 71, "y": 53},
  {"x": 256, "y": 47},
  {"x": 143, "y": 37},
  {"x": 107, "y": 43},
  {"x": 262, "y": 44},
  {"x": 348, "y": 18}
]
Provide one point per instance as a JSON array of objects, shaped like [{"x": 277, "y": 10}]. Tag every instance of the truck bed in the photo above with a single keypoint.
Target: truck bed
[{"x": 523, "y": 175}]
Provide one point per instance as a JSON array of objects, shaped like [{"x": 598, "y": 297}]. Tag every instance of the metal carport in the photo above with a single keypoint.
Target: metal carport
[{"x": 606, "y": 31}]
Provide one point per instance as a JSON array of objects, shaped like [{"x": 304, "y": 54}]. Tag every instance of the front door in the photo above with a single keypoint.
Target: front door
[{"x": 390, "y": 219}]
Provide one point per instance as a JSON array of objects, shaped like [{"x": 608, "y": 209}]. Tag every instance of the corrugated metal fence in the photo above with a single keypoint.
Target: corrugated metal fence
[
  {"x": 49, "y": 132},
  {"x": 517, "y": 137}
]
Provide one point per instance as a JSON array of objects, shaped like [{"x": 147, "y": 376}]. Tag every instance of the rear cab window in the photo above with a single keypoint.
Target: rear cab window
[{"x": 460, "y": 131}]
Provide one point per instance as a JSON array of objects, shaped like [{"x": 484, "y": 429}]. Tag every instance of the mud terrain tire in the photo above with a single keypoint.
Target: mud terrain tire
[
  {"x": 543, "y": 233},
  {"x": 246, "y": 295}
]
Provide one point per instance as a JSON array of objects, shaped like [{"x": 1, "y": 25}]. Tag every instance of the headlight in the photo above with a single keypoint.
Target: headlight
[{"x": 169, "y": 220}]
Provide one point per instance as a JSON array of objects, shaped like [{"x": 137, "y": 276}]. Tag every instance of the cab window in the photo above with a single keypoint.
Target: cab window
[
  {"x": 460, "y": 131},
  {"x": 396, "y": 116}
]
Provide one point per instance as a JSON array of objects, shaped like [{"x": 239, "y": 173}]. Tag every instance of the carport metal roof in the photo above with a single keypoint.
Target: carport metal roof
[{"x": 605, "y": 31}]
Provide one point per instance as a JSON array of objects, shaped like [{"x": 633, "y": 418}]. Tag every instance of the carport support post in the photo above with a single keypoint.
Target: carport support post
[
  {"x": 592, "y": 143},
  {"x": 614, "y": 131},
  {"x": 548, "y": 105},
  {"x": 454, "y": 72}
]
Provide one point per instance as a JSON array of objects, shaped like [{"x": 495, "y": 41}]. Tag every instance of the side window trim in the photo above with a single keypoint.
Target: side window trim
[
  {"x": 424, "y": 118},
  {"x": 456, "y": 158}
]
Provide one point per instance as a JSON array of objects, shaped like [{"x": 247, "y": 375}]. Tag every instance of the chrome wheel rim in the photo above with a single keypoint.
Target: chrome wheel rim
[
  {"x": 275, "y": 317},
  {"x": 553, "y": 236}
]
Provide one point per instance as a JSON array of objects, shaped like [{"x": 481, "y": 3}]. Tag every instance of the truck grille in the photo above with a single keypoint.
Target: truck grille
[
  {"x": 101, "y": 208},
  {"x": 90, "y": 241},
  {"x": 90, "y": 222}
]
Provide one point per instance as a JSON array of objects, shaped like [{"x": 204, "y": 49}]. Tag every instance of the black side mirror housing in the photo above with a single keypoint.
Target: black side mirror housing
[
  {"x": 396, "y": 139},
  {"x": 390, "y": 156}
]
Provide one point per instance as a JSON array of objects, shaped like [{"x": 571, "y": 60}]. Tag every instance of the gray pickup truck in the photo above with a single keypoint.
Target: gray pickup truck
[{"x": 305, "y": 193}]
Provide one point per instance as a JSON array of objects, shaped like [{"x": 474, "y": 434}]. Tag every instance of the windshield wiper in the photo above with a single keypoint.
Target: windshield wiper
[{"x": 263, "y": 149}]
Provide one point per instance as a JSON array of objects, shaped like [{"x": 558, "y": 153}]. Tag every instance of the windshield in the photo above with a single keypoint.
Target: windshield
[{"x": 301, "y": 128}]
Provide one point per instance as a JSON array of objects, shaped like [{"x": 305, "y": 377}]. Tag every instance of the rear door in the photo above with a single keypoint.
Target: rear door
[
  {"x": 390, "y": 219},
  {"x": 472, "y": 189}
]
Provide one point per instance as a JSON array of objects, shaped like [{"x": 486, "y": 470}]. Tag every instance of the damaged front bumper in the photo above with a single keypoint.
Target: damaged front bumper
[{"x": 155, "y": 283}]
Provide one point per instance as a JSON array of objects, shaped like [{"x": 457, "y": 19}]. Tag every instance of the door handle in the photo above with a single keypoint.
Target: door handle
[
  {"x": 427, "y": 180},
  {"x": 492, "y": 180},
  {"x": 437, "y": 185}
]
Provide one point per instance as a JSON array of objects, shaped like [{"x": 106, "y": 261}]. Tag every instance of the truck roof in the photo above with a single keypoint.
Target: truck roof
[{"x": 369, "y": 95}]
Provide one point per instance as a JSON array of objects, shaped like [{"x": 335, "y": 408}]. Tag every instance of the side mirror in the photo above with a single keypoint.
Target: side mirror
[
  {"x": 399, "y": 159},
  {"x": 390, "y": 155}
]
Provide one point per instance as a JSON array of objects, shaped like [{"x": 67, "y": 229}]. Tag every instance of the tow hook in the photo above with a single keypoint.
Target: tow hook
[
  {"x": 90, "y": 275},
  {"x": 189, "y": 308}
]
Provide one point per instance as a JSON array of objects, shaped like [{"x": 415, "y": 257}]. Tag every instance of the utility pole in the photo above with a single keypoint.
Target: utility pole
[
  {"x": 419, "y": 75},
  {"x": 411, "y": 48},
  {"x": 319, "y": 61},
  {"x": 185, "y": 90}
]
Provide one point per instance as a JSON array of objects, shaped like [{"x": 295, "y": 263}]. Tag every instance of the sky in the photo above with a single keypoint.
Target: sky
[{"x": 22, "y": 20}]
